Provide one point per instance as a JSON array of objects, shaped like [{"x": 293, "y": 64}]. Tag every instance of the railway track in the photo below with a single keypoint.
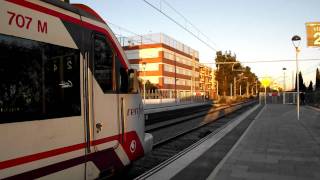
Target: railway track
[
  {"x": 172, "y": 138},
  {"x": 169, "y": 118},
  {"x": 157, "y": 117}
]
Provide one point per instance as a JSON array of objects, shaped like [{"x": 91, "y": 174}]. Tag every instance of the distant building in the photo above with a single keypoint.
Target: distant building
[
  {"x": 170, "y": 65},
  {"x": 207, "y": 81}
]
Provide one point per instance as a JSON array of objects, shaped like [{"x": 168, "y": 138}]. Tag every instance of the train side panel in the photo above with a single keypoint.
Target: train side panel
[
  {"x": 64, "y": 95},
  {"x": 41, "y": 119}
]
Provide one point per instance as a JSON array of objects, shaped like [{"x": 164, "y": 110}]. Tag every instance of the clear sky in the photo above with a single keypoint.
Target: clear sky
[{"x": 252, "y": 29}]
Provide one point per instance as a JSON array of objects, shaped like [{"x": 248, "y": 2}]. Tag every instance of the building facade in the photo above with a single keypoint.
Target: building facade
[
  {"x": 168, "y": 64},
  {"x": 207, "y": 81}
]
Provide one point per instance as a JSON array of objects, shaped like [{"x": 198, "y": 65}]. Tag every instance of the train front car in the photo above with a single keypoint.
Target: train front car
[
  {"x": 133, "y": 140},
  {"x": 70, "y": 106}
]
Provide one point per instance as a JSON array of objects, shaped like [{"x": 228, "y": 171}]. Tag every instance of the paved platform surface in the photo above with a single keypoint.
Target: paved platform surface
[
  {"x": 194, "y": 162},
  {"x": 277, "y": 146}
]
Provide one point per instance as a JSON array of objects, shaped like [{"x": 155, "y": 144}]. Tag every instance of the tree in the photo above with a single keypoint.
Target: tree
[
  {"x": 310, "y": 87},
  {"x": 317, "y": 80},
  {"x": 225, "y": 75},
  {"x": 150, "y": 86},
  {"x": 302, "y": 86}
]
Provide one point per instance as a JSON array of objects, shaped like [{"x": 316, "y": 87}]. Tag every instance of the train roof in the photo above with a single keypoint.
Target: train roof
[
  {"x": 89, "y": 13},
  {"x": 80, "y": 9}
]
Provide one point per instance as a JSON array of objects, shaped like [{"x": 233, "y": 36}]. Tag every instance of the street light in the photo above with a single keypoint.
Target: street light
[
  {"x": 296, "y": 43},
  {"x": 284, "y": 84},
  {"x": 144, "y": 64}
]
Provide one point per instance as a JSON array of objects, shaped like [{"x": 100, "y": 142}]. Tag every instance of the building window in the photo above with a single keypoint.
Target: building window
[
  {"x": 168, "y": 55},
  {"x": 168, "y": 68},
  {"x": 168, "y": 80}
]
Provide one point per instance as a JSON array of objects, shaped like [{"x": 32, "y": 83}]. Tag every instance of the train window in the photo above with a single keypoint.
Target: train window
[
  {"x": 38, "y": 80},
  {"x": 103, "y": 64},
  {"x": 133, "y": 81},
  {"x": 123, "y": 80}
]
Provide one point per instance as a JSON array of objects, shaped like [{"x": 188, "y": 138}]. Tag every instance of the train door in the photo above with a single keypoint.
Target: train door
[
  {"x": 101, "y": 103},
  {"x": 104, "y": 106}
]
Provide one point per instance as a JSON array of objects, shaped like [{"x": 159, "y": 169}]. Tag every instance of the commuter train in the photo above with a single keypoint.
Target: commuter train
[{"x": 70, "y": 106}]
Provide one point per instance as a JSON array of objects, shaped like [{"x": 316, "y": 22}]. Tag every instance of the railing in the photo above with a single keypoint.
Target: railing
[
  {"x": 278, "y": 98},
  {"x": 170, "y": 96},
  {"x": 158, "y": 38}
]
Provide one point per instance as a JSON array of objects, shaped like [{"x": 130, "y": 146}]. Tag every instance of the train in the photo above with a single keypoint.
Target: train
[{"x": 70, "y": 106}]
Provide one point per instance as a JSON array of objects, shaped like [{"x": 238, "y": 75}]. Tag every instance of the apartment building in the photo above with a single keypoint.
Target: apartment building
[
  {"x": 207, "y": 81},
  {"x": 169, "y": 64}
]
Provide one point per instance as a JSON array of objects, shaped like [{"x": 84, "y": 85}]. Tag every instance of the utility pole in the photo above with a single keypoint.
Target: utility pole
[
  {"x": 234, "y": 87},
  {"x": 217, "y": 90},
  {"x": 175, "y": 77},
  {"x": 144, "y": 65},
  {"x": 247, "y": 89},
  {"x": 225, "y": 86},
  {"x": 292, "y": 80},
  {"x": 265, "y": 94},
  {"x": 284, "y": 85},
  {"x": 193, "y": 74}
]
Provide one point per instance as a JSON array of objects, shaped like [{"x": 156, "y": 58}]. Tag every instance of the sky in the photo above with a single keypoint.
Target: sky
[{"x": 254, "y": 30}]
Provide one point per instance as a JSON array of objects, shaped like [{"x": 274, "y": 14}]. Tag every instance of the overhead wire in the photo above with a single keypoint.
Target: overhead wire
[
  {"x": 263, "y": 61},
  {"x": 180, "y": 25},
  {"x": 244, "y": 62},
  {"x": 188, "y": 21},
  {"x": 131, "y": 32}
]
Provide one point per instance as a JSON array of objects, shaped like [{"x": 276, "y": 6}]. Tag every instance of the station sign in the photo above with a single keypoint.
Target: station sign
[
  {"x": 313, "y": 34},
  {"x": 266, "y": 81}
]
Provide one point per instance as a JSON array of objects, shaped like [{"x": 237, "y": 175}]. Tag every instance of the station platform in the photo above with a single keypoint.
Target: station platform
[
  {"x": 274, "y": 146},
  {"x": 277, "y": 146}
]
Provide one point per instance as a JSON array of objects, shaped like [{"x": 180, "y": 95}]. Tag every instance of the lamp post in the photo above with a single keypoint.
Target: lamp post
[
  {"x": 217, "y": 86},
  {"x": 257, "y": 88},
  {"x": 284, "y": 85},
  {"x": 247, "y": 89},
  {"x": 296, "y": 43},
  {"x": 144, "y": 64},
  {"x": 175, "y": 78}
]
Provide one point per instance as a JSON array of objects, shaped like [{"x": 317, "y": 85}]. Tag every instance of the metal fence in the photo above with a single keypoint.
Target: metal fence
[
  {"x": 278, "y": 98},
  {"x": 171, "y": 94}
]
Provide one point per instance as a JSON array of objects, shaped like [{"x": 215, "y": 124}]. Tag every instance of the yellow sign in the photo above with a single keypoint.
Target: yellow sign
[
  {"x": 266, "y": 82},
  {"x": 313, "y": 34}
]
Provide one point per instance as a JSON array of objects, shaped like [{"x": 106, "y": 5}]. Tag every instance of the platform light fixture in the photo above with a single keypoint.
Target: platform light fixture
[
  {"x": 144, "y": 65},
  {"x": 284, "y": 85},
  {"x": 296, "y": 43}
]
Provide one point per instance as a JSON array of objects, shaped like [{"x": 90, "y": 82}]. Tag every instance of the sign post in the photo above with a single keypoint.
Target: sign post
[{"x": 265, "y": 82}]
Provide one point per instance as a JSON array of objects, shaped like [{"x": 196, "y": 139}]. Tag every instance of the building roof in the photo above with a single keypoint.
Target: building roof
[{"x": 156, "y": 39}]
